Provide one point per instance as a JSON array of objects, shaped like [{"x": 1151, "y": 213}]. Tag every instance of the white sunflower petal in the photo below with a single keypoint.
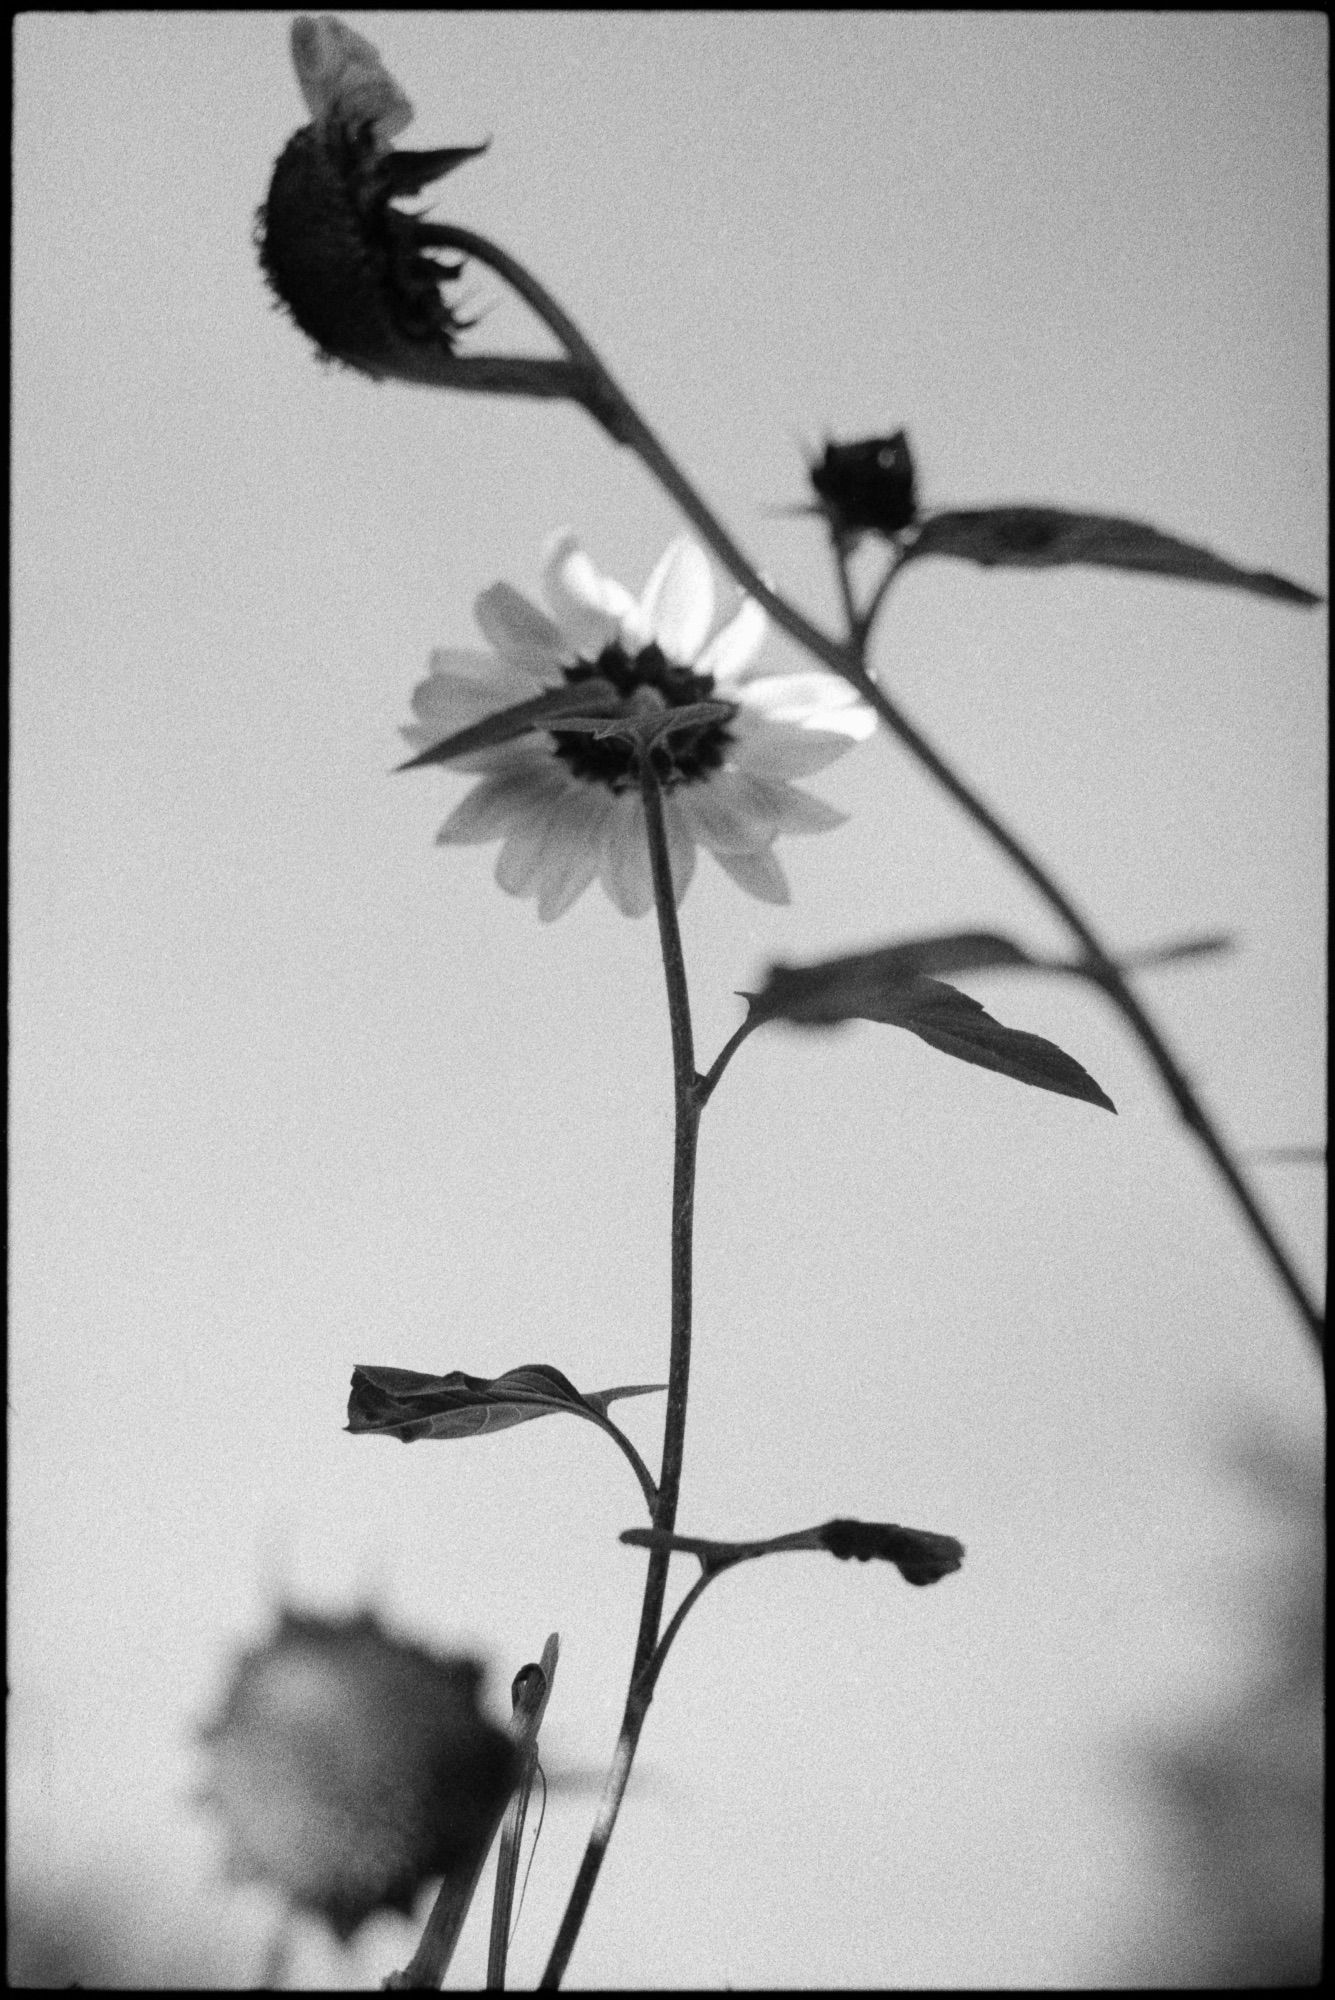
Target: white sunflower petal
[
  {"x": 734, "y": 646},
  {"x": 520, "y": 858},
  {"x": 520, "y": 632},
  {"x": 588, "y": 607},
  {"x": 798, "y": 812},
  {"x": 454, "y": 701},
  {"x": 759, "y": 874},
  {"x": 467, "y": 662},
  {"x": 500, "y": 802},
  {"x": 625, "y": 870},
  {"x": 783, "y": 749},
  {"x": 815, "y": 700},
  {"x": 677, "y": 603},
  {"x": 573, "y": 853},
  {"x": 730, "y": 814}
]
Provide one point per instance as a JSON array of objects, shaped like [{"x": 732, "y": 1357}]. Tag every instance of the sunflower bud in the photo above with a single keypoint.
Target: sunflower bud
[
  {"x": 349, "y": 1767},
  {"x": 868, "y": 484}
]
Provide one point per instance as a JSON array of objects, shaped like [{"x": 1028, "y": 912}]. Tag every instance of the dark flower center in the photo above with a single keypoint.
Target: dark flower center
[{"x": 685, "y": 758}]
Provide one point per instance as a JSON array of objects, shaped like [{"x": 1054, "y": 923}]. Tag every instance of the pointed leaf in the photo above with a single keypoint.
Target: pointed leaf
[
  {"x": 399, "y": 1402},
  {"x": 959, "y": 1026},
  {"x": 408, "y": 172},
  {"x": 880, "y": 986},
  {"x": 592, "y": 698},
  {"x": 1047, "y": 537}
]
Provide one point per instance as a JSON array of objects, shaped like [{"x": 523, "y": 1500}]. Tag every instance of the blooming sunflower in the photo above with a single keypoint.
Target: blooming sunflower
[{"x": 567, "y": 804}]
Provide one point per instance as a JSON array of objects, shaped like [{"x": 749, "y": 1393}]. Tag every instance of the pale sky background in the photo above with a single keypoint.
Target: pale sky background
[{"x": 293, "y": 1088}]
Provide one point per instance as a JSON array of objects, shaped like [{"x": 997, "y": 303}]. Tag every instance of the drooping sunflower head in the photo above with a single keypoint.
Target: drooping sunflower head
[
  {"x": 351, "y": 267},
  {"x": 724, "y": 735}
]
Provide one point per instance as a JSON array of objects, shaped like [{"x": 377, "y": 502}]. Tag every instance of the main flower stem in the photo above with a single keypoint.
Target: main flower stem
[
  {"x": 688, "y": 1105},
  {"x": 602, "y": 395}
]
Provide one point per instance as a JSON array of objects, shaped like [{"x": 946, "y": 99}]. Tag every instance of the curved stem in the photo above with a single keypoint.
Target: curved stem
[
  {"x": 706, "y": 1085},
  {"x": 674, "y": 1625},
  {"x": 636, "y": 1463},
  {"x": 607, "y": 402},
  {"x": 688, "y": 1106}
]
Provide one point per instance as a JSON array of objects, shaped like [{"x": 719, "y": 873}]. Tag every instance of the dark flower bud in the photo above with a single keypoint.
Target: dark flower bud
[
  {"x": 349, "y": 1767},
  {"x": 867, "y": 485}
]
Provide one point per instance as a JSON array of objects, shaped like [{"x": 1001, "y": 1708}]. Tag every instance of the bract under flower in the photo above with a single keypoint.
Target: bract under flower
[{"x": 565, "y": 803}]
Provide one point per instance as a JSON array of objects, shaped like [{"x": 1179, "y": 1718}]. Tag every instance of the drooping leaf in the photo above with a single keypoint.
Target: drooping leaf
[
  {"x": 960, "y": 1026},
  {"x": 1047, "y": 537},
  {"x": 880, "y": 986},
  {"x": 582, "y": 698},
  {"x": 399, "y": 1402},
  {"x": 920, "y": 1556}
]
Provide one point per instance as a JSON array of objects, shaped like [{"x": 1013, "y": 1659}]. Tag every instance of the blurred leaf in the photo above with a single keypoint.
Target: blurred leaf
[
  {"x": 583, "y": 698},
  {"x": 920, "y": 1556},
  {"x": 882, "y": 986},
  {"x": 1169, "y": 954},
  {"x": 1291, "y": 1156},
  {"x": 1047, "y": 537},
  {"x": 398, "y": 1402},
  {"x": 835, "y": 989}
]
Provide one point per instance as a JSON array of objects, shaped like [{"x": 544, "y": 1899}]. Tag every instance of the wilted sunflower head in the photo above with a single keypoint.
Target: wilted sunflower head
[
  {"x": 350, "y": 267},
  {"x": 349, "y": 1767}
]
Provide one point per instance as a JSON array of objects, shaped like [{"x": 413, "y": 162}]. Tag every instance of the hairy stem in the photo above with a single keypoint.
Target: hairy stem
[{"x": 644, "y": 1668}]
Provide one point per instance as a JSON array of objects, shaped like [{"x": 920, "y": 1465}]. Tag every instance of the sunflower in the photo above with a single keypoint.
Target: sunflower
[
  {"x": 351, "y": 267},
  {"x": 348, "y": 1766},
  {"x": 566, "y": 804}
]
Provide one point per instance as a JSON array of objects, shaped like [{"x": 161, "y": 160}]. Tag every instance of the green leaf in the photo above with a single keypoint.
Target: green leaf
[
  {"x": 881, "y": 986},
  {"x": 1048, "y": 537},
  {"x": 920, "y": 1556},
  {"x": 398, "y": 1402},
  {"x": 583, "y": 698}
]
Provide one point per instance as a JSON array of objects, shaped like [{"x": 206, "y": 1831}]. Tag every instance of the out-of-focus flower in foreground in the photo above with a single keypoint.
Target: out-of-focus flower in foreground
[
  {"x": 349, "y": 1767},
  {"x": 567, "y": 803},
  {"x": 351, "y": 268}
]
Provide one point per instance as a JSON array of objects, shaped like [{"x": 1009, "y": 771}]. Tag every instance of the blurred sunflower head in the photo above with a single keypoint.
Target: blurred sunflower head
[{"x": 348, "y": 1767}]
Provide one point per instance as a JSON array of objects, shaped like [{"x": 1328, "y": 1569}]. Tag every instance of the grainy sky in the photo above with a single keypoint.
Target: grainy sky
[{"x": 293, "y": 1088}]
